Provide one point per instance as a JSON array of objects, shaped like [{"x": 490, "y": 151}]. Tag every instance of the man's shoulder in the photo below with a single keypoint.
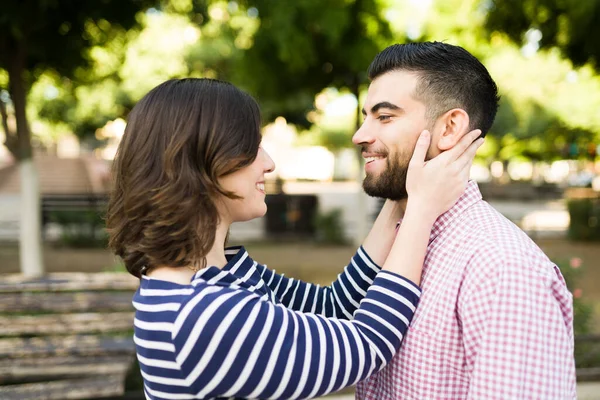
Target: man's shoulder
[{"x": 497, "y": 241}]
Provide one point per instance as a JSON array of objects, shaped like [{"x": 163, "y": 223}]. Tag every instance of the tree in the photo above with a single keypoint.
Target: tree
[
  {"x": 571, "y": 25},
  {"x": 40, "y": 35},
  {"x": 303, "y": 47}
]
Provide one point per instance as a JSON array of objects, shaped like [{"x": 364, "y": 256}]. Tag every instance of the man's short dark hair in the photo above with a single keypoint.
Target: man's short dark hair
[{"x": 449, "y": 77}]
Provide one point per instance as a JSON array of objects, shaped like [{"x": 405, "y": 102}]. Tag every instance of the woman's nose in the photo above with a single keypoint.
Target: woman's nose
[{"x": 269, "y": 163}]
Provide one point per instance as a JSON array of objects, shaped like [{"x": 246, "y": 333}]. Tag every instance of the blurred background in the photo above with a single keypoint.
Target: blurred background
[{"x": 70, "y": 71}]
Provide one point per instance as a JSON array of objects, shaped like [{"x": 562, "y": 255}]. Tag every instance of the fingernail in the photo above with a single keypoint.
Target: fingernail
[{"x": 424, "y": 136}]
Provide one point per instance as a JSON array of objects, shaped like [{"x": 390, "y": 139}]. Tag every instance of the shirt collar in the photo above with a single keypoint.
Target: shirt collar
[
  {"x": 471, "y": 196},
  {"x": 238, "y": 261}
]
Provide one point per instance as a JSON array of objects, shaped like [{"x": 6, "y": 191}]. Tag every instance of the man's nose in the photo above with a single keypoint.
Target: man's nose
[{"x": 362, "y": 136}]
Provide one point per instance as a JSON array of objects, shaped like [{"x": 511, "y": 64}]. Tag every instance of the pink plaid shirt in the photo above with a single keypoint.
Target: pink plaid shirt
[{"x": 495, "y": 320}]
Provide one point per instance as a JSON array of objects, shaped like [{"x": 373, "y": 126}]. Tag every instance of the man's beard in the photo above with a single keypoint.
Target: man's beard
[{"x": 391, "y": 183}]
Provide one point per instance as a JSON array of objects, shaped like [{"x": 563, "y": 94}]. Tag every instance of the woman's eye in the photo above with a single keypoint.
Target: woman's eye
[{"x": 384, "y": 117}]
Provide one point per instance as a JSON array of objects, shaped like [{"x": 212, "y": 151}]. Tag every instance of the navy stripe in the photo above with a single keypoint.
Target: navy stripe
[{"x": 258, "y": 339}]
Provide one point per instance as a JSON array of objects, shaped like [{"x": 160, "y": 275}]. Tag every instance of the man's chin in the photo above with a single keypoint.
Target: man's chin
[{"x": 384, "y": 192}]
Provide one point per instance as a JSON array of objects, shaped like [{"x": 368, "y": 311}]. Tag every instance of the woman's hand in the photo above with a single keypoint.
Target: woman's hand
[{"x": 434, "y": 186}]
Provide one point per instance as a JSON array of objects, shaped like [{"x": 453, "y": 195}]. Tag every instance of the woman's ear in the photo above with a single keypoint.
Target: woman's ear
[{"x": 454, "y": 124}]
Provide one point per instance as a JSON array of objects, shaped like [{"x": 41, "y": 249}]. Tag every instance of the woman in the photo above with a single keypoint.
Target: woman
[{"x": 213, "y": 323}]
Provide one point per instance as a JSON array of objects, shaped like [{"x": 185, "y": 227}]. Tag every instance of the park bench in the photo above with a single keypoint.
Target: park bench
[
  {"x": 73, "y": 202},
  {"x": 65, "y": 335}
]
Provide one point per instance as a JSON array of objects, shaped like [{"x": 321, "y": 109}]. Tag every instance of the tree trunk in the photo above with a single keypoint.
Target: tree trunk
[
  {"x": 362, "y": 215},
  {"x": 30, "y": 243},
  {"x": 10, "y": 140}
]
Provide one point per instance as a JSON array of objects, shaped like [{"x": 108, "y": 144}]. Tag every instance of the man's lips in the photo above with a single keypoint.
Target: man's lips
[{"x": 370, "y": 157}]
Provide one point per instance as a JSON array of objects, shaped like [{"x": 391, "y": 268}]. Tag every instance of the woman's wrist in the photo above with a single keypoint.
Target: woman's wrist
[{"x": 420, "y": 211}]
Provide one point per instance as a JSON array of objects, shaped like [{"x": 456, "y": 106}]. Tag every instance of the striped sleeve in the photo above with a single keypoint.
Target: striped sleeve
[
  {"x": 339, "y": 300},
  {"x": 229, "y": 343}
]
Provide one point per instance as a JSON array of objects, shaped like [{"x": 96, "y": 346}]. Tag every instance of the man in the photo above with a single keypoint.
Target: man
[{"x": 495, "y": 319}]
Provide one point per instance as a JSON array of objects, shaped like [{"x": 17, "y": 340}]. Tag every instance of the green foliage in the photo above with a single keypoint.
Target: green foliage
[
  {"x": 585, "y": 219},
  {"x": 547, "y": 106},
  {"x": 330, "y": 228},
  {"x": 59, "y": 34},
  {"x": 586, "y": 354},
  {"x": 302, "y": 47},
  {"x": 571, "y": 25}
]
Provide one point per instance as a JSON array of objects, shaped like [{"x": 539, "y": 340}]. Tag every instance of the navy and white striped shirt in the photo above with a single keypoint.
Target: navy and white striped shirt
[{"x": 244, "y": 331}]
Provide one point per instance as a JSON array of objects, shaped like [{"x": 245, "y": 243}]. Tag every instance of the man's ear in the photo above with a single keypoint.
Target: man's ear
[{"x": 454, "y": 125}]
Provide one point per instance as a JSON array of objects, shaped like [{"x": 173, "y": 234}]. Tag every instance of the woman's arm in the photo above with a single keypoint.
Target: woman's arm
[
  {"x": 229, "y": 343},
  {"x": 340, "y": 299},
  {"x": 433, "y": 188}
]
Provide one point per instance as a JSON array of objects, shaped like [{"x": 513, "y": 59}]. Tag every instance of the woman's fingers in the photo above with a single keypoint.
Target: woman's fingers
[
  {"x": 418, "y": 157},
  {"x": 465, "y": 160},
  {"x": 463, "y": 144}
]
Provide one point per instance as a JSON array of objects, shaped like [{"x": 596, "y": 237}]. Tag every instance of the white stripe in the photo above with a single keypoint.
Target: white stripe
[
  {"x": 287, "y": 288},
  {"x": 150, "y": 362},
  {"x": 389, "y": 309},
  {"x": 263, "y": 268},
  {"x": 347, "y": 352},
  {"x": 348, "y": 295},
  {"x": 368, "y": 262},
  {"x": 316, "y": 299},
  {"x": 275, "y": 351},
  {"x": 287, "y": 372},
  {"x": 306, "y": 291},
  {"x": 170, "y": 396},
  {"x": 190, "y": 305},
  {"x": 221, "y": 332},
  {"x": 386, "y": 324},
  {"x": 233, "y": 352},
  {"x": 307, "y": 357},
  {"x": 220, "y": 276},
  {"x": 240, "y": 262},
  {"x": 336, "y": 357},
  {"x": 199, "y": 325},
  {"x": 270, "y": 279},
  {"x": 150, "y": 344},
  {"x": 248, "y": 275},
  {"x": 153, "y": 326},
  {"x": 192, "y": 340},
  {"x": 232, "y": 252},
  {"x": 394, "y": 278},
  {"x": 298, "y": 284},
  {"x": 254, "y": 354},
  {"x": 278, "y": 283},
  {"x": 322, "y": 355},
  {"x": 165, "y": 292},
  {"x": 355, "y": 285},
  {"x": 361, "y": 273},
  {"x": 361, "y": 349},
  {"x": 156, "y": 307},
  {"x": 394, "y": 295},
  {"x": 372, "y": 345},
  {"x": 344, "y": 311}
]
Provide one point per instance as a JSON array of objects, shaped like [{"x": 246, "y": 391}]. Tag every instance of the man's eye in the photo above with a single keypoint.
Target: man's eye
[{"x": 384, "y": 117}]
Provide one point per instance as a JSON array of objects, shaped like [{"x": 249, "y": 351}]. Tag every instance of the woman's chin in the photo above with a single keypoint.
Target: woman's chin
[{"x": 252, "y": 214}]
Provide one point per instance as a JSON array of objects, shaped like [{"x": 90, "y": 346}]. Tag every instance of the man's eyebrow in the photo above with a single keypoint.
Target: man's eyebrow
[
  {"x": 380, "y": 105},
  {"x": 384, "y": 104}
]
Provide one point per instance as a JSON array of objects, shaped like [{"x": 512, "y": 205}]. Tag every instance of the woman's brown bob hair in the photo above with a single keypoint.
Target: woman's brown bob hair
[{"x": 180, "y": 138}]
